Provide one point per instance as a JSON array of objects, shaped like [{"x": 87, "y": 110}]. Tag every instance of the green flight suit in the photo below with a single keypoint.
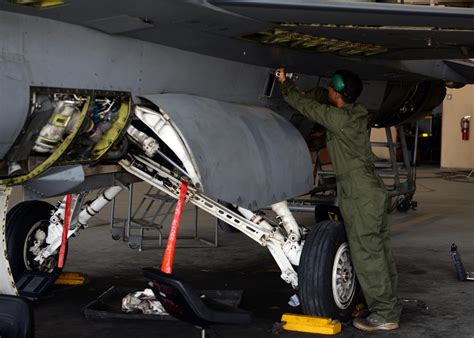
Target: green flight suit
[{"x": 361, "y": 195}]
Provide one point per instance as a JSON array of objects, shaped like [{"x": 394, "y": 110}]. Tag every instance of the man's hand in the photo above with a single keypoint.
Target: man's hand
[{"x": 280, "y": 74}]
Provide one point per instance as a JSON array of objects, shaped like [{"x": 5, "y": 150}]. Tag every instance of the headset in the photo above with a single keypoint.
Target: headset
[{"x": 338, "y": 84}]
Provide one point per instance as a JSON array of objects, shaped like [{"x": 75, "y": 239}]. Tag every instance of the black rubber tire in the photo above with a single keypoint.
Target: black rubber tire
[
  {"x": 19, "y": 222},
  {"x": 315, "y": 272}
]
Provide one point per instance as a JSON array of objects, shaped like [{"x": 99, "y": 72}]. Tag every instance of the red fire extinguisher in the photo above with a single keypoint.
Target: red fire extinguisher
[{"x": 465, "y": 122}]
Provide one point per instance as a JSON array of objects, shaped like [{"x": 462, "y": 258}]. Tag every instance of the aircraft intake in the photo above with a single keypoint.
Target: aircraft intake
[{"x": 405, "y": 101}]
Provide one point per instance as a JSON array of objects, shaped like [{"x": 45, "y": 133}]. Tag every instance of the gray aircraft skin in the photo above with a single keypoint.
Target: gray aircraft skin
[
  {"x": 85, "y": 85},
  {"x": 202, "y": 48}
]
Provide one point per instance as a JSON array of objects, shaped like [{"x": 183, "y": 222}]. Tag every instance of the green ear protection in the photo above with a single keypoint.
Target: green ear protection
[{"x": 337, "y": 83}]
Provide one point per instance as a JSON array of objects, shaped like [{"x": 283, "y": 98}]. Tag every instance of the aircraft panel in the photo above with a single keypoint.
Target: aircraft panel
[{"x": 273, "y": 158}]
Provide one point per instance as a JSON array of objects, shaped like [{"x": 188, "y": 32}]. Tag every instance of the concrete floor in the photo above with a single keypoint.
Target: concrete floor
[{"x": 421, "y": 241}]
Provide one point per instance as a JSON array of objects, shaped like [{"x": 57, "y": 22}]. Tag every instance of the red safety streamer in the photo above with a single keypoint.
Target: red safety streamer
[
  {"x": 67, "y": 219},
  {"x": 167, "y": 265}
]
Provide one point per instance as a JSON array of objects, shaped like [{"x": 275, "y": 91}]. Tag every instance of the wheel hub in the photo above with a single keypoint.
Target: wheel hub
[
  {"x": 343, "y": 277},
  {"x": 34, "y": 243}
]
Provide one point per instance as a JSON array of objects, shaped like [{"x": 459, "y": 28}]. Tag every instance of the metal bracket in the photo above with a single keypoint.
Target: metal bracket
[{"x": 168, "y": 182}]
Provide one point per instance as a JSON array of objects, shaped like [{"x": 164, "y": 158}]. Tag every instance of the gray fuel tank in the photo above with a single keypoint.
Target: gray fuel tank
[{"x": 245, "y": 155}]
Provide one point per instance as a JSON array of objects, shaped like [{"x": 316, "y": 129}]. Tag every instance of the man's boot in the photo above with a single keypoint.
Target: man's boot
[{"x": 370, "y": 325}]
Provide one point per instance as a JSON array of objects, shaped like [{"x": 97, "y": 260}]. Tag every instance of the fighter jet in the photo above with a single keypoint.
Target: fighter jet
[{"x": 98, "y": 94}]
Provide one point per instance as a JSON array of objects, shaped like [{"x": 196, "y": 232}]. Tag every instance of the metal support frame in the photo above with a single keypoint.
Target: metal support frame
[
  {"x": 168, "y": 182},
  {"x": 391, "y": 170},
  {"x": 393, "y": 158},
  {"x": 411, "y": 171},
  {"x": 121, "y": 231},
  {"x": 403, "y": 191},
  {"x": 151, "y": 214},
  {"x": 139, "y": 216}
]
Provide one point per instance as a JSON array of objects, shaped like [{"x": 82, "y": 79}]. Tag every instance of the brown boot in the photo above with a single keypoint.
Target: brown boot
[{"x": 370, "y": 325}]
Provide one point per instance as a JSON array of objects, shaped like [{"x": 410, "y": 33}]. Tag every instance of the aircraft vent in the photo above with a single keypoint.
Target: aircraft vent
[{"x": 286, "y": 38}]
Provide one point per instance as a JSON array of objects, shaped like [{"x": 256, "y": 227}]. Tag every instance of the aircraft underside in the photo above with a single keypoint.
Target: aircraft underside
[{"x": 88, "y": 107}]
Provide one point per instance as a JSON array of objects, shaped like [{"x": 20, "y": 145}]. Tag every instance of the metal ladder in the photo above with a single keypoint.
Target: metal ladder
[
  {"x": 402, "y": 175},
  {"x": 152, "y": 214}
]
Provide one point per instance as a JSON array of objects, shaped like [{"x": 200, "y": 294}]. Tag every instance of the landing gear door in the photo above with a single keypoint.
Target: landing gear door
[{"x": 245, "y": 155}]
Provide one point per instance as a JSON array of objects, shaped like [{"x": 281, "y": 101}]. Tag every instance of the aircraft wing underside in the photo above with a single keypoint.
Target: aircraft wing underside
[{"x": 309, "y": 37}]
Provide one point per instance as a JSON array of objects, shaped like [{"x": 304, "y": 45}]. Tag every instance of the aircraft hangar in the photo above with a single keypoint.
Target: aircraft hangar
[{"x": 156, "y": 181}]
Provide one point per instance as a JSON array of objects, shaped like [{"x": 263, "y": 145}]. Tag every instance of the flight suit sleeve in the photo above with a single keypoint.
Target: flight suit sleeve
[
  {"x": 319, "y": 94},
  {"x": 333, "y": 118}
]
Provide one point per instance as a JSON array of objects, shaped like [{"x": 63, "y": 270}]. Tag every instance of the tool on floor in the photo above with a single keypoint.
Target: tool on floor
[
  {"x": 309, "y": 324},
  {"x": 458, "y": 264}
]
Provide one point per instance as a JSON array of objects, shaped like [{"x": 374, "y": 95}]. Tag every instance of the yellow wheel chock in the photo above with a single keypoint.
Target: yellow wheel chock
[
  {"x": 71, "y": 278},
  {"x": 310, "y": 324}
]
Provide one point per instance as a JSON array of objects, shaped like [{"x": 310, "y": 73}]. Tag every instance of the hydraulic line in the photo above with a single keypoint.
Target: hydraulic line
[{"x": 96, "y": 206}]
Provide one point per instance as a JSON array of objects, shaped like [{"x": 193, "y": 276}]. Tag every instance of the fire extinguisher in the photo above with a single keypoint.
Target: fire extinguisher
[{"x": 465, "y": 122}]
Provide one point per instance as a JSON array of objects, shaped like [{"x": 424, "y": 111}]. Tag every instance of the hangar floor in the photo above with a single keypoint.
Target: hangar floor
[{"x": 421, "y": 241}]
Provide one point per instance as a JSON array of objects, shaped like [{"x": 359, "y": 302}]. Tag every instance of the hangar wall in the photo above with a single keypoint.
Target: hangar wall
[
  {"x": 379, "y": 135},
  {"x": 456, "y": 153}
]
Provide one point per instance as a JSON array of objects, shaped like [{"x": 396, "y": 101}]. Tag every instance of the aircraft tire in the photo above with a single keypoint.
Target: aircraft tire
[
  {"x": 325, "y": 263},
  {"x": 22, "y": 223}
]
